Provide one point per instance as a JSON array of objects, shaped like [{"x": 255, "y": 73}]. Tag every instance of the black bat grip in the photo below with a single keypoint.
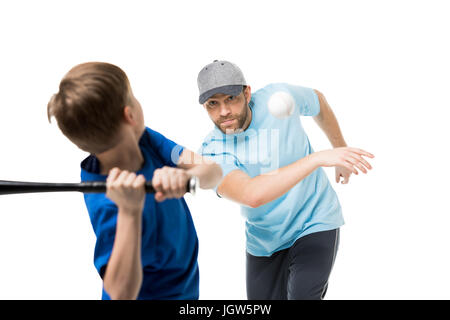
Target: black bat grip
[
  {"x": 100, "y": 186},
  {"x": 16, "y": 187}
]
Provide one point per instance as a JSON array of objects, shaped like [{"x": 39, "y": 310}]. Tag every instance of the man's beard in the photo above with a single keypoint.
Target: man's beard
[{"x": 240, "y": 118}]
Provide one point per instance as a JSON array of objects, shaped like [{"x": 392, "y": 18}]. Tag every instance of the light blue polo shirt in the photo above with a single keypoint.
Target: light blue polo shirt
[{"x": 270, "y": 143}]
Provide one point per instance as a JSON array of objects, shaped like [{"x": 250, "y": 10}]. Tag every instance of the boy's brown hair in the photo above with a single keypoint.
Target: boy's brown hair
[{"x": 89, "y": 105}]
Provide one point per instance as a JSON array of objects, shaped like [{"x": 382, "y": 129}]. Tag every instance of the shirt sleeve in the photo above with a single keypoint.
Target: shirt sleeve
[
  {"x": 228, "y": 162},
  {"x": 168, "y": 150},
  {"x": 306, "y": 99}
]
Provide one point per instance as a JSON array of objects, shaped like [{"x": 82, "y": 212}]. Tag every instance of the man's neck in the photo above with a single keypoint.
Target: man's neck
[
  {"x": 248, "y": 120},
  {"x": 126, "y": 155}
]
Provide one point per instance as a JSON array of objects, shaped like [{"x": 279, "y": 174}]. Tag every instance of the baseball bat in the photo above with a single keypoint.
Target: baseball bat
[{"x": 16, "y": 187}]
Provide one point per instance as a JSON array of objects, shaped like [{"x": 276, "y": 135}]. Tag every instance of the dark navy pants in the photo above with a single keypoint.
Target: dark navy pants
[{"x": 300, "y": 272}]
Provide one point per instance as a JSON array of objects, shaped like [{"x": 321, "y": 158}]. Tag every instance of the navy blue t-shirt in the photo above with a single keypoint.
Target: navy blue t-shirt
[{"x": 169, "y": 240}]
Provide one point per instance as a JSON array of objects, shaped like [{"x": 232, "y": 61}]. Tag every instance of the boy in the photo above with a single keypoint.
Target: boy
[{"x": 146, "y": 244}]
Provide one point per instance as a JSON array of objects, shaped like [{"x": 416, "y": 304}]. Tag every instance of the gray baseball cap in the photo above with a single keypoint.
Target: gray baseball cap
[{"x": 220, "y": 77}]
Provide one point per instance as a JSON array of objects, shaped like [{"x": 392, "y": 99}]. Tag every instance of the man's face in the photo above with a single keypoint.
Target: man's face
[{"x": 229, "y": 113}]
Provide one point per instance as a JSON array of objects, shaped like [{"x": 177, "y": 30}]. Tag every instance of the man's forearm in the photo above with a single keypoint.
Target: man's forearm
[
  {"x": 209, "y": 174},
  {"x": 262, "y": 189},
  {"x": 327, "y": 121},
  {"x": 273, "y": 185},
  {"x": 207, "y": 171}
]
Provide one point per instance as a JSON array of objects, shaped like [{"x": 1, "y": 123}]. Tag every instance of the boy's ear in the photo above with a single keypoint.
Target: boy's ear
[{"x": 128, "y": 115}]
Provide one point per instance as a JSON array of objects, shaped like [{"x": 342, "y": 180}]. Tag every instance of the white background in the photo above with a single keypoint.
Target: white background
[{"x": 383, "y": 66}]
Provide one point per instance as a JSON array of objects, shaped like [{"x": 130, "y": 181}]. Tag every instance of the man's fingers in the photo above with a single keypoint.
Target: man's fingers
[
  {"x": 343, "y": 163},
  {"x": 362, "y": 152},
  {"x": 350, "y": 167},
  {"x": 346, "y": 180},
  {"x": 356, "y": 163},
  {"x": 361, "y": 159}
]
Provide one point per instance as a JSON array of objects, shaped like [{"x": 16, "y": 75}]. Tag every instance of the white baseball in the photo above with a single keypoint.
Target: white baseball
[{"x": 281, "y": 104}]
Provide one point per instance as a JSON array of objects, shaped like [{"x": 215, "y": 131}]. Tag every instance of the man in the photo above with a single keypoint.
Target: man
[
  {"x": 146, "y": 244},
  {"x": 292, "y": 213}
]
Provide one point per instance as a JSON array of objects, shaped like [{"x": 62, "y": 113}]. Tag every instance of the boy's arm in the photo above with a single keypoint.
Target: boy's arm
[
  {"x": 262, "y": 189},
  {"x": 123, "y": 274}
]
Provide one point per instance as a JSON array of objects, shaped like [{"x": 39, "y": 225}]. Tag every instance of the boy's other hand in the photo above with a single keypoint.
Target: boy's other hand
[
  {"x": 170, "y": 183},
  {"x": 126, "y": 190}
]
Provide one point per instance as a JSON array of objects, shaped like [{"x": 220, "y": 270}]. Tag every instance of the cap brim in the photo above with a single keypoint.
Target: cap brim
[{"x": 232, "y": 90}]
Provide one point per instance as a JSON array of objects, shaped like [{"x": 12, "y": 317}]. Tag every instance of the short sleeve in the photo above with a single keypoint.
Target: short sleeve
[
  {"x": 226, "y": 161},
  {"x": 168, "y": 150},
  {"x": 306, "y": 99},
  {"x": 104, "y": 220}
]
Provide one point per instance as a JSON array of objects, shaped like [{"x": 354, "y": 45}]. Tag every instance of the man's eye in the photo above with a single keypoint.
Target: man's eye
[
  {"x": 212, "y": 103},
  {"x": 231, "y": 98}
]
